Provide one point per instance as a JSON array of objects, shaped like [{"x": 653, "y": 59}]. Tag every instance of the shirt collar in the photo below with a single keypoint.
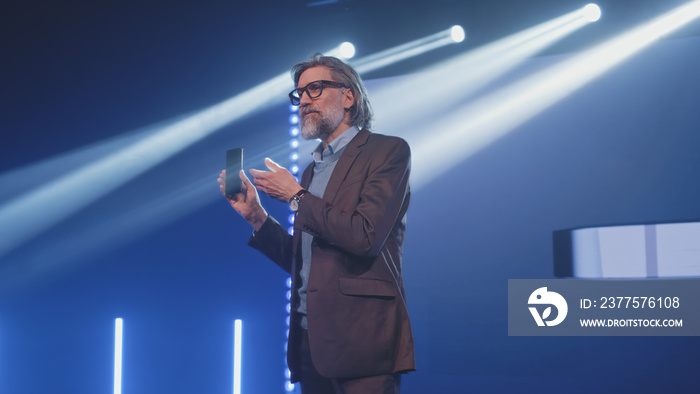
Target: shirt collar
[{"x": 336, "y": 145}]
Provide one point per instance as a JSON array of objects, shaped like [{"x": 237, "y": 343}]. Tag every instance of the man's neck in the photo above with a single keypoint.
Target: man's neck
[{"x": 335, "y": 134}]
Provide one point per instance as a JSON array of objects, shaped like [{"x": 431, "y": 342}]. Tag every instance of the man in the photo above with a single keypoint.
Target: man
[{"x": 350, "y": 331}]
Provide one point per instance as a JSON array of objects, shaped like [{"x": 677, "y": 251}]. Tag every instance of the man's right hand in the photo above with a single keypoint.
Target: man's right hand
[{"x": 247, "y": 202}]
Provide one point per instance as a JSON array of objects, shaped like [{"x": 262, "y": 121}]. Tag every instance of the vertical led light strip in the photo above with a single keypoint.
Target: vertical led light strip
[
  {"x": 118, "y": 327},
  {"x": 294, "y": 131},
  {"x": 288, "y": 385},
  {"x": 294, "y": 154},
  {"x": 237, "y": 339}
]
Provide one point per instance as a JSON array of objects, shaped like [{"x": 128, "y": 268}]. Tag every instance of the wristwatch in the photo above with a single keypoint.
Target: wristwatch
[{"x": 296, "y": 199}]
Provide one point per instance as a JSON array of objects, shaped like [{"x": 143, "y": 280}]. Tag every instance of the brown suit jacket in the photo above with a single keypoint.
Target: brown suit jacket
[{"x": 357, "y": 319}]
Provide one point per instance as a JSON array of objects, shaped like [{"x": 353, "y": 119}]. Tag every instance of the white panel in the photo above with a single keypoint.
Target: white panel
[
  {"x": 678, "y": 249},
  {"x": 623, "y": 251},
  {"x": 586, "y": 253}
]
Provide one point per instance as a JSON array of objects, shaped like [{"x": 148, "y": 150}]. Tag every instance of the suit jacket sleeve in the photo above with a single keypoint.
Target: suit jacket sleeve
[
  {"x": 274, "y": 242},
  {"x": 362, "y": 229}
]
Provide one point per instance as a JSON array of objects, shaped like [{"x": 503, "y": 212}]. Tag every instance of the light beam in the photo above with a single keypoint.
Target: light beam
[
  {"x": 29, "y": 214},
  {"x": 475, "y": 125},
  {"x": 407, "y": 50},
  {"x": 406, "y": 101}
]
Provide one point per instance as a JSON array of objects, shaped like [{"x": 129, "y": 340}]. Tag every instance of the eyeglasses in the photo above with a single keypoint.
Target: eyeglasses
[{"x": 313, "y": 89}]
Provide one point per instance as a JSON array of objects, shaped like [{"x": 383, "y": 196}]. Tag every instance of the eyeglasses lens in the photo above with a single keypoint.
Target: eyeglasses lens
[{"x": 315, "y": 89}]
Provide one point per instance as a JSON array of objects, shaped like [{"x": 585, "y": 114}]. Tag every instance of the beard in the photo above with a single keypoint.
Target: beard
[{"x": 321, "y": 125}]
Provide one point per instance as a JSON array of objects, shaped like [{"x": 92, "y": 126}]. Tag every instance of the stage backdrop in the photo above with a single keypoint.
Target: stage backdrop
[{"x": 168, "y": 255}]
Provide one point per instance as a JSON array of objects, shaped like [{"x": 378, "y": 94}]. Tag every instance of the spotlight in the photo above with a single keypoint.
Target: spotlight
[
  {"x": 591, "y": 12},
  {"x": 417, "y": 47},
  {"x": 294, "y": 131},
  {"x": 293, "y": 119},
  {"x": 457, "y": 33},
  {"x": 347, "y": 50}
]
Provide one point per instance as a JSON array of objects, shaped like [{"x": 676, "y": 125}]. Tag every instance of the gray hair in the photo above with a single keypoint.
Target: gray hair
[{"x": 361, "y": 111}]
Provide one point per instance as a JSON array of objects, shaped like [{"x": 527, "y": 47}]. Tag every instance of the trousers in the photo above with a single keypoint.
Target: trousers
[{"x": 313, "y": 383}]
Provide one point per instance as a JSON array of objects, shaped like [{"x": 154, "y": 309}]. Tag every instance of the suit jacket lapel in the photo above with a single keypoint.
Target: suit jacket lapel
[
  {"x": 352, "y": 150},
  {"x": 307, "y": 175},
  {"x": 305, "y": 181}
]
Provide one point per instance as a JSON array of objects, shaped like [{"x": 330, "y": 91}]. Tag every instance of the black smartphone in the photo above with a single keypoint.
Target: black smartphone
[{"x": 234, "y": 164}]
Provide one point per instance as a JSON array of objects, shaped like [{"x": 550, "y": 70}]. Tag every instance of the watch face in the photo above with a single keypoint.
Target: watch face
[{"x": 294, "y": 204}]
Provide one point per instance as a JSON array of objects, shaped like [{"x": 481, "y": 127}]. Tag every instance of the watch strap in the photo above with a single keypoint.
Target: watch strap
[{"x": 300, "y": 194}]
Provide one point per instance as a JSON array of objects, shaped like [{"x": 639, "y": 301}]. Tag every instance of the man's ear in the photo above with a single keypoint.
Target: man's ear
[{"x": 348, "y": 99}]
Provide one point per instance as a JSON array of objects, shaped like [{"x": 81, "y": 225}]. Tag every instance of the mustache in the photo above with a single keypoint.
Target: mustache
[{"x": 307, "y": 110}]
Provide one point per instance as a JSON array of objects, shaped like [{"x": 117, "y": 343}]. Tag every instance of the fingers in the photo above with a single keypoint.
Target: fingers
[
  {"x": 259, "y": 177},
  {"x": 271, "y": 165},
  {"x": 257, "y": 173},
  {"x": 270, "y": 182},
  {"x": 274, "y": 167},
  {"x": 247, "y": 184},
  {"x": 222, "y": 182},
  {"x": 244, "y": 178},
  {"x": 237, "y": 196}
]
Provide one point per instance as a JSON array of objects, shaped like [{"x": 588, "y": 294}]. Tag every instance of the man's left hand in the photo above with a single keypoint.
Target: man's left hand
[{"x": 277, "y": 183}]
